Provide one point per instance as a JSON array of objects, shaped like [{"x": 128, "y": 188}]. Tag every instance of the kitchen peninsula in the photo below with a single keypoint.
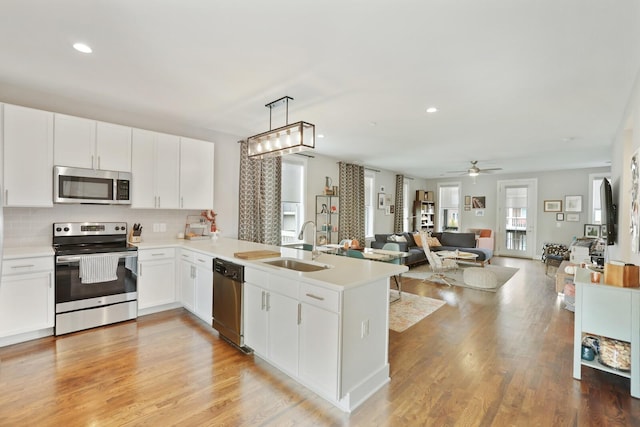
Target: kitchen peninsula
[{"x": 335, "y": 342}]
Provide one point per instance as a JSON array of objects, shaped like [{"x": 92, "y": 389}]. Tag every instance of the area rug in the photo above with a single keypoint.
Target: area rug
[
  {"x": 410, "y": 309},
  {"x": 503, "y": 275}
]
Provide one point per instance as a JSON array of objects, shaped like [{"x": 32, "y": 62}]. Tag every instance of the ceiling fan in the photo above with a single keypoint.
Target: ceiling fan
[{"x": 474, "y": 170}]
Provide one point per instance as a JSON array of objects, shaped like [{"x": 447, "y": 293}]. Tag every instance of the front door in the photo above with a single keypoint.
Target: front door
[{"x": 517, "y": 218}]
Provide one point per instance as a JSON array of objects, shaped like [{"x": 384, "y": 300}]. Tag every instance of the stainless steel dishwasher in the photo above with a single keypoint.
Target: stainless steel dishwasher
[{"x": 228, "y": 280}]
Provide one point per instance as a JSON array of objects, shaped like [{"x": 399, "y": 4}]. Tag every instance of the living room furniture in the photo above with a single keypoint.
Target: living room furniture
[
  {"x": 553, "y": 254},
  {"x": 415, "y": 253},
  {"x": 424, "y": 214},
  {"x": 465, "y": 242},
  {"x": 484, "y": 238},
  {"x": 607, "y": 311},
  {"x": 438, "y": 265},
  {"x": 563, "y": 278},
  {"x": 327, "y": 219},
  {"x": 480, "y": 277},
  {"x": 458, "y": 256}
]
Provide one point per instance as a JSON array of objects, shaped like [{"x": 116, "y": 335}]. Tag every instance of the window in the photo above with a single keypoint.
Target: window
[
  {"x": 370, "y": 203},
  {"x": 594, "y": 196},
  {"x": 448, "y": 207},
  {"x": 292, "y": 199}
]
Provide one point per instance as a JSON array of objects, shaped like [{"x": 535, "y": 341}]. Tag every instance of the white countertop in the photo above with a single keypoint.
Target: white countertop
[
  {"x": 345, "y": 272},
  {"x": 27, "y": 252}
]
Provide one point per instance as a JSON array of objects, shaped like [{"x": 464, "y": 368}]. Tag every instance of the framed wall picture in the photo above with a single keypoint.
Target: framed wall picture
[
  {"x": 560, "y": 216},
  {"x": 387, "y": 199},
  {"x": 573, "y": 203},
  {"x": 592, "y": 230},
  {"x": 392, "y": 209},
  {"x": 467, "y": 200},
  {"x": 573, "y": 217},
  {"x": 387, "y": 210},
  {"x": 380, "y": 200},
  {"x": 478, "y": 202},
  {"x": 553, "y": 205}
]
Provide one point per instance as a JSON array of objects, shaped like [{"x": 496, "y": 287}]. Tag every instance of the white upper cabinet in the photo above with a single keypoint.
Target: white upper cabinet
[
  {"x": 113, "y": 147},
  {"x": 155, "y": 163},
  {"x": 28, "y": 157},
  {"x": 74, "y": 142},
  {"x": 85, "y": 143},
  {"x": 196, "y": 174}
]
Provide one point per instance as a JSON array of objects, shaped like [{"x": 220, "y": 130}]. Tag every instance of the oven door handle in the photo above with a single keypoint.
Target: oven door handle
[{"x": 76, "y": 258}]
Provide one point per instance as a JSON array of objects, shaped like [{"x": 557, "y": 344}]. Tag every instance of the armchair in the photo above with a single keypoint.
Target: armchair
[
  {"x": 438, "y": 265},
  {"x": 484, "y": 238}
]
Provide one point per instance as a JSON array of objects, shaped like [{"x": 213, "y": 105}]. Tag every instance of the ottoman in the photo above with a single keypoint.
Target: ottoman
[{"x": 479, "y": 277}]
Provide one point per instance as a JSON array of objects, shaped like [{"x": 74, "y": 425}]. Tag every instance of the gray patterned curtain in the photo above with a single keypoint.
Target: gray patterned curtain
[
  {"x": 398, "y": 223},
  {"x": 260, "y": 206},
  {"x": 351, "y": 191}
]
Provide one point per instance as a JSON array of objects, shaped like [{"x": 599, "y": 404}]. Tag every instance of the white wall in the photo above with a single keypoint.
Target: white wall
[{"x": 552, "y": 185}]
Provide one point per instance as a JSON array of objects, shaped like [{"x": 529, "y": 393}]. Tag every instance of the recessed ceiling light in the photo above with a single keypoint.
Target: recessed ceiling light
[
  {"x": 81, "y": 47},
  {"x": 320, "y": 135},
  {"x": 432, "y": 110}
]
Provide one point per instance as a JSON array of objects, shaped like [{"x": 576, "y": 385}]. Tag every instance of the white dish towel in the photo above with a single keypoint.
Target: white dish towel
[{"x": 98, "y": 268}]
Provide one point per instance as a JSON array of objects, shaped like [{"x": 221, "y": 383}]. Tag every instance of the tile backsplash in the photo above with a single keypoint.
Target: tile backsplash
[{"x": 33, "y": 226}]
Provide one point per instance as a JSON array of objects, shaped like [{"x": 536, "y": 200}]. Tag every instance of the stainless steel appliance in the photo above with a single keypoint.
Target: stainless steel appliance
[
  {"x": 104, "y": 299},
  {"x": 228, "y": 280},
  {"x": 77, "y": 185}
]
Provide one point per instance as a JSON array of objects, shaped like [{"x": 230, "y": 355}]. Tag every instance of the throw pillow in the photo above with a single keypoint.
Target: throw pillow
[
  {"x": 433, "y": 242},
  {"x": 417, "y": 239},
  {"x": 410, "y": 240},
  {"x": 485, "y": 233},
  {"x": 396, "y": 238}
]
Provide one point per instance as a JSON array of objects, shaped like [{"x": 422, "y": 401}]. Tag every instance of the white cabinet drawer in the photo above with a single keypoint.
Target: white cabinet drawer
[
  {"x": 187, "y": 256},
  {"x": 256, "y": 277},
  {"x": 153, "y": 254},
  {"x": 203, "y": 261},
  {"x": 320, "y": 297},
  {"x": 26, "y": 265}
]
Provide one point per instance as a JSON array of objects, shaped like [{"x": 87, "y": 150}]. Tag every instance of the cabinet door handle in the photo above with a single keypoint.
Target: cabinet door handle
[
  {"x": 50, "y": 280},
  {"x": 315, "y": 297},
  {"x": 92, "y": 162},
  {"x": 182, "y": 202},
  {"x": 263, "y": 303},
  {"x": 201, "y": 260},
  {"x": 299, "y": 313},
  {"x": 6, "y": 197},
  {"x": 158, "y": 201},
  {"x": 139, "y": 270},
  {"x": 268, "y": 301},
  {"x": 23, "y": 266},
  {"x": 158, "y": 254},
  {"x": 98, "y": 162}
]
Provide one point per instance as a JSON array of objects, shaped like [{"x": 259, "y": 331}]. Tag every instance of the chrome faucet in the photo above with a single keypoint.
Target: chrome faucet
[{"x": 314, "y": 251}]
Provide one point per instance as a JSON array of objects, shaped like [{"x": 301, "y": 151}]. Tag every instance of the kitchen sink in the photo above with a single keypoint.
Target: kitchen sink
[{"x": 297, "y": 265}]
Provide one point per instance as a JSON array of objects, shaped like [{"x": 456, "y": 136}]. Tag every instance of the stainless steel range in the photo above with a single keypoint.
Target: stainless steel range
[{"x": 96, "y": 275}]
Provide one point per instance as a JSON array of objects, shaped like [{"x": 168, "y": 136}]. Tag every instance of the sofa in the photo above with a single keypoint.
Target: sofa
[
  {"x": 416, "y": 253},
  {"x": 465, "y": 242}
]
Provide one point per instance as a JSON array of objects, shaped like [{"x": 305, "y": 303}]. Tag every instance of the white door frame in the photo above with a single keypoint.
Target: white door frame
[{"x": 532, "y": 216}]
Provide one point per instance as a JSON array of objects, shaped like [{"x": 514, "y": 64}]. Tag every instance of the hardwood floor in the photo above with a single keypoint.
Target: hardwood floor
[{"x": 484, "y": 359}]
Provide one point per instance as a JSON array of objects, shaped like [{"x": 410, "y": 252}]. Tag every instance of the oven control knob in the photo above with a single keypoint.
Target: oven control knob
[
  {"x": 117, "y": 228},
  {"x": 58, "y": 229},
  {"x": 66, "y": 229}
]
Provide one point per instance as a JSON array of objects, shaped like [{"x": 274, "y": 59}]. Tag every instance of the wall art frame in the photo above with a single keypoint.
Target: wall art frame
[{"x": 553, "y": 205}]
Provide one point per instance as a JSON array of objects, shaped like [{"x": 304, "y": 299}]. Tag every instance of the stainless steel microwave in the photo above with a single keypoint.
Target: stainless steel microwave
[{"x": 77, "y": 185}]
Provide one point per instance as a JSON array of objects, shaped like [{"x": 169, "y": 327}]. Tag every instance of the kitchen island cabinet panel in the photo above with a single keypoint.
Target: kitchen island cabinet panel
[{"x": 28, "y": 157}]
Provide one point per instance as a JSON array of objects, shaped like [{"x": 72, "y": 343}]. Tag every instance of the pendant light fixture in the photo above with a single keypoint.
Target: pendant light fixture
[{"x": 288, "y": 139}]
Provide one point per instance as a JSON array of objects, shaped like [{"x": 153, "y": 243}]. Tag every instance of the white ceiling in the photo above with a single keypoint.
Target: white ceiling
[{"x": 522, "y": 85}]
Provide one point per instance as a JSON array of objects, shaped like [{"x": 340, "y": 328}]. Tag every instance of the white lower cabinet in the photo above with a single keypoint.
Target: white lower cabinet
[
  {"x": 196, "y": 283},
  {"x": 298, "y": 337},
  {"x": 319, "y": 354},
  {"x": 26, "y": 297},
  {"x": 156, "y": 279}
]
